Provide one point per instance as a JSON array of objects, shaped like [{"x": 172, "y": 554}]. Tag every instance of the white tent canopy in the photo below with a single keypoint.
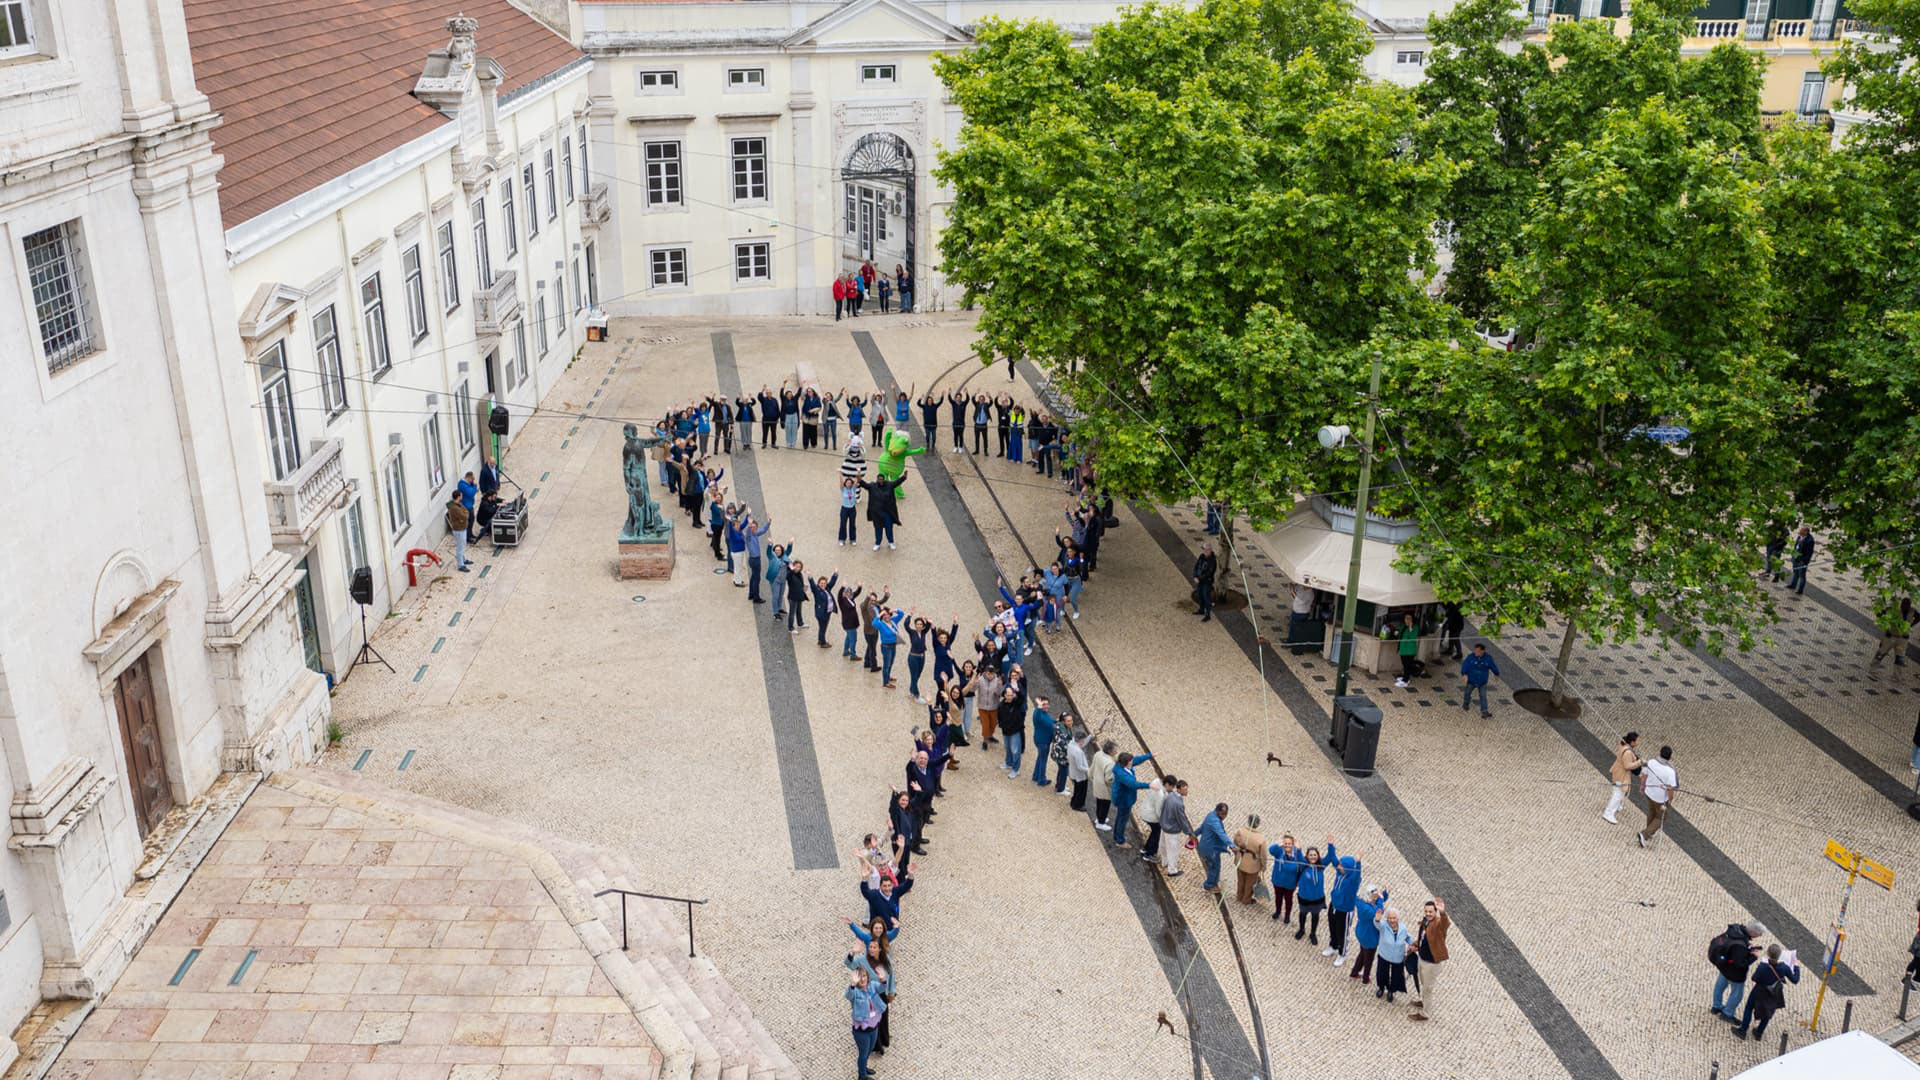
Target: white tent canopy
[
  {"x": 1855, "y": 1055},
  {"x": 1311, "y": 553}
]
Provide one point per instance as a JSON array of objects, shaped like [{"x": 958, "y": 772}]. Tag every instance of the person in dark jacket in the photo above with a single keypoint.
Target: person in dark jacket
[
  {"x": 823, "y": 603},
  {"x": 920, "y": 790},
  {"x": 1452, "y": 624},
  {"x": 1802, "y": 556},
  {"x": 1732, "y": 960},
  {"x": 884, "y": 902},
  {"x": 1203, "y": 570},
  {"x": 1770, "y": 979},
  {"x": 883, "y": 507}
]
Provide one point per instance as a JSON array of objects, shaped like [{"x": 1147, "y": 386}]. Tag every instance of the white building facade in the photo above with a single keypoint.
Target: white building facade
[
  {"x": 387, "y": 307},
  {"x": 151, "y": 638},
  {"x": 760, "y": 149}
]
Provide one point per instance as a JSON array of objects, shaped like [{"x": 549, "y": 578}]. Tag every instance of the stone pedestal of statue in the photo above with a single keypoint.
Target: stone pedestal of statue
[{"x": 649, "y": 558}]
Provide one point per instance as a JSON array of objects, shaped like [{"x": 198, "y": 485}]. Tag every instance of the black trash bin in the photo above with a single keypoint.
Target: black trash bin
[
  {"x": 1362, "y": 743},
  {"x": 1343, "y": 709}
]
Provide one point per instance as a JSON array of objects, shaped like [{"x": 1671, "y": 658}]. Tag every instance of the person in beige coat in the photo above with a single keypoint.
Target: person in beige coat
[
  {"x": 1626, "y": 763},
  {"x": 1100, "y": 776},
  {"x": 1250, "y": 851}
]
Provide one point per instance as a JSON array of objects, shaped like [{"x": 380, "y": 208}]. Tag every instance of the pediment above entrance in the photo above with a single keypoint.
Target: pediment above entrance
[{"x": 875, "y": 22}]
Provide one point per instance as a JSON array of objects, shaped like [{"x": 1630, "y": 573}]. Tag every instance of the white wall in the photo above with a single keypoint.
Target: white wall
[{"x": 389, "y": 206}]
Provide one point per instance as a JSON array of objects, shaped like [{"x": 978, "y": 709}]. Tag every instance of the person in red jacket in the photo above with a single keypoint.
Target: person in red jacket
[{"x": 839, "y": 296}]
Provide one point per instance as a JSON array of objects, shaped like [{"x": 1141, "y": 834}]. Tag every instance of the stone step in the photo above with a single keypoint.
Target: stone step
[{"x": 727, "y": 1020}]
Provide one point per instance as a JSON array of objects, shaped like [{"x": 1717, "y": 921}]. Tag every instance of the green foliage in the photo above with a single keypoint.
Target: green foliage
[
  {"x": 1538, "y": 493},
  {"x": 1183, "y": 222}
]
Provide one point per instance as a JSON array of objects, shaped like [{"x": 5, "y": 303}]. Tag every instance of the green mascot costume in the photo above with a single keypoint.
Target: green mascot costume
[{"x": 892, "y": 462}]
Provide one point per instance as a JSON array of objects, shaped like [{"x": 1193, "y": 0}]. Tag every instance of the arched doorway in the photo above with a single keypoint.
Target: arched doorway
[{"x": 878, "y": 225}]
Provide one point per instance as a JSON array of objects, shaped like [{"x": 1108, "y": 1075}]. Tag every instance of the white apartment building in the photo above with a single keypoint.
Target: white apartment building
[
  {"x": 410, "y": 214},
  {"x": 150, "y": 639},
  {"x": 760, "y": 148}
]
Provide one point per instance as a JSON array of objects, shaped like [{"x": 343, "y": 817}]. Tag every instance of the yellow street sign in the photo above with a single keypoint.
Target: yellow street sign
[{"x": 1855, "y": 862}]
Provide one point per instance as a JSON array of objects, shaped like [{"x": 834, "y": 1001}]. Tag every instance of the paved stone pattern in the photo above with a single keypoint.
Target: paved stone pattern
[
  {"x": 643, "y": 728},
  {"x": 333, "y": 947}
]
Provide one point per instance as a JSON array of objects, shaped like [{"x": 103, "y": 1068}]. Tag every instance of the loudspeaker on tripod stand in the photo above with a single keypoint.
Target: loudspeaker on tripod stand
[{"x": 360, "y": 587}]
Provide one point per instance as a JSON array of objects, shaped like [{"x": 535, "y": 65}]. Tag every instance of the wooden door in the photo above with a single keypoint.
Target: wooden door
[{"x": 140, "y": 735}]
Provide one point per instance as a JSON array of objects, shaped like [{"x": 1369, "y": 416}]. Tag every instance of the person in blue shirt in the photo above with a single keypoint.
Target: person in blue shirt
[
  {"x": 1287, "y": 864},
  {"x": 736, "y": 545},
  {"x": 1213, "y": 843},
  {"x": 1126, "y": 791},
  {"x": 810, "y": 419},
  {"x": 1043, "y": 735},
  {"x": 1474, "y": 672},
  {"x": 703, "y": 426},
  {"x": 1343, "y": 892},
  {"x": 790, "y": 415},
  {"x": 887, "y": 625},
  {"x": 1312, "y": 893},
  {"x": 744, "y": 414},
  {"x": 754, "y": 537},
  {"x": 1396, "y": 937},
  {"x": 869, "y": 1008},
  {"x": 777, "y": 557},
  {"x": 1365, "y": 934},
  {"x": 717, "y": 522}
]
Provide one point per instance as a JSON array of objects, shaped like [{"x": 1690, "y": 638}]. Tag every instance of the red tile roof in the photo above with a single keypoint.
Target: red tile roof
[{"x": 311, "y": 89}]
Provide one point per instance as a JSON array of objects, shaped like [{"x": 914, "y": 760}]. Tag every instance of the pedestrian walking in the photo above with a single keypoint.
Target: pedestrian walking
[
  {"x": 1802, "y": 555},
  {"x": 1776, "y": 548},
  {"x": 1312, "y": 894},
  {"x": 1212, "y": 843},
  {"x": 1366, "y": 933},
  {"x": 1893, "y": 635},
  {"x": 1452, "y": 624},
  {"x": 1396, "y": 938},
  {"x": 1409, "y": 638},
  {"x": 1732, "y": 953},
  {"x": 1100, "y": 771},
  {"x": 839, "y": 297},
  {"x": 1657, "y": 781},
  {"x": 1288, "y": 862},
  {"x": 1431, "y": 955},
  {"x": 1204, "y": 568},
  {"x": 1626, "y": 765},
  {"x": 1126, "y": 791},
  {"x": 1769, "y": 996},
  {"x": 1913, "y": 955},
  {"x": 1174, "y": 828},
  {"x": 1475, "y": 670},
  {"x": 1250, "y": 859}
]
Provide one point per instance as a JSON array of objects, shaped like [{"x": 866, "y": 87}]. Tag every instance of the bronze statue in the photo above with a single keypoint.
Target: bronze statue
[{"x": 643, "y": 514}]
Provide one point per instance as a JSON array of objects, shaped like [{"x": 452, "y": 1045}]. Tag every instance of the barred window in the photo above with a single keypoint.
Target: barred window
[{"x": 57, "y": 274}]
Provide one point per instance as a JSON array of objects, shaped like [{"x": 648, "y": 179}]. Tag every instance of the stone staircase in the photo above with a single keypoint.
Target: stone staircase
[
  {"x": 720, "y": 1025},
  {"x": 700, "y": 1027}
]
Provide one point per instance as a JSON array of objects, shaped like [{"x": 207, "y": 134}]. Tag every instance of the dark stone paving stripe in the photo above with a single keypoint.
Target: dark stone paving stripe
[
  {"x": 808, "y": 826},
  {"x": 1215, "y": 1028},
  {"x": 1855, "y": 616},
  {"x": 1536, "y": 1000},
  {"x": 1739, "y": 884}
]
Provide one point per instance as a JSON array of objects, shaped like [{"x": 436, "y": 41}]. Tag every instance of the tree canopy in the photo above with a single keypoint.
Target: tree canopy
[{"x": 1185, "y": 220}]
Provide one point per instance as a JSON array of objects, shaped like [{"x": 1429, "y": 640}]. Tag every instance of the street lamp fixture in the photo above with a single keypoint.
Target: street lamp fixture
[{"x": 1334, "y": 436}]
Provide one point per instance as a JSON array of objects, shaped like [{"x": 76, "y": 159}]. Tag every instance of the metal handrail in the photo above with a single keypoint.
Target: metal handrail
[{"x": 624, "y": 893}]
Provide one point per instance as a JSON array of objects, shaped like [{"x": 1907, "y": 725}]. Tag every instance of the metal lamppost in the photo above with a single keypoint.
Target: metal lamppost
[{"x": 1331, "y": 437}]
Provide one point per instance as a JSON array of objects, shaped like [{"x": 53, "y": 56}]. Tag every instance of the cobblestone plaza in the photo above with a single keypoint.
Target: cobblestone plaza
[{"x": 676, "y": 727}]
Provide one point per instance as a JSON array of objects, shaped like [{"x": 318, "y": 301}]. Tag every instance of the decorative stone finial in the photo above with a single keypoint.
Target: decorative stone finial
[{"x": 462, "y": 28}]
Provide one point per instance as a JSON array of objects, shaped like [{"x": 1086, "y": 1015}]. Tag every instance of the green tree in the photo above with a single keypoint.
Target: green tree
[
  {"x": 1503, "y": 110},
  {"x": 1188, "y": 223},
  {"x": 1643, "y": 283}
]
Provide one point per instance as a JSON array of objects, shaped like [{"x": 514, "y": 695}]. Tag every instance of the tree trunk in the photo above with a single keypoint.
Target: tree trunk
[{"x": 1558, "y": 696}]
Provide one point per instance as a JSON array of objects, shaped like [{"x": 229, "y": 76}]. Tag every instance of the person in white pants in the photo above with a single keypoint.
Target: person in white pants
[{"x": 1626, "y": 765}]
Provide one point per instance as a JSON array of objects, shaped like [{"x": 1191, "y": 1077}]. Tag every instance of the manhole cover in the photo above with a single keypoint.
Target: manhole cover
[
  {"x": 719, "y": 569},
  {"x": 639, "y": 599}
]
